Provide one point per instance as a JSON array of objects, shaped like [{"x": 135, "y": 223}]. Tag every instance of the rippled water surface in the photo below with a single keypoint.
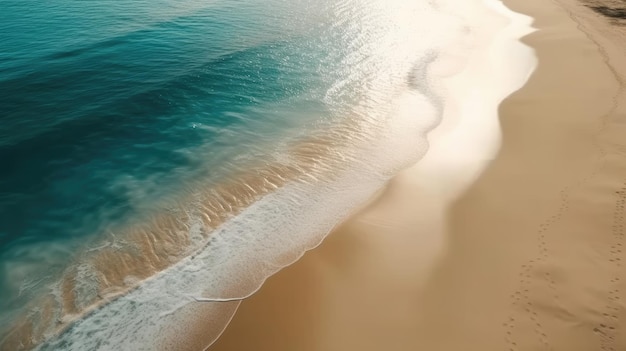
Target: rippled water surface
[{"x": 135, "y": 137}]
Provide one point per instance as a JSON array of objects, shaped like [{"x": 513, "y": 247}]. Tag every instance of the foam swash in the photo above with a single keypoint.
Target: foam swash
[{"x": 161, "y": 159}]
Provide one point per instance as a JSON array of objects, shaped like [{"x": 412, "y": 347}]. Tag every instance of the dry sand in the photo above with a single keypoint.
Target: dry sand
[{"x": 529, "y": 257}]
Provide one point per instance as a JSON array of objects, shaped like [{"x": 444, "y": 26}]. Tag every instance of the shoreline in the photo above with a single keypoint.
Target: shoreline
[
  {"x": 467, "y": 129},
  {"x": 119, "y": 276},
  {"x": 507, "y": 265}
]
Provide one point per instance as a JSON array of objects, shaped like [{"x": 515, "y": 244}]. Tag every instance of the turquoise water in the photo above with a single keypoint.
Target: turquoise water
[
  {"x": 113, "y": 110},
  {"x": 106, "y": 106}
]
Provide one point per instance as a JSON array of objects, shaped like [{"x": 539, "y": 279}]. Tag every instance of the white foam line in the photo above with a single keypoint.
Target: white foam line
[
  {"x": 470, "y": 136},
  {"x": 248, "y": 248}
]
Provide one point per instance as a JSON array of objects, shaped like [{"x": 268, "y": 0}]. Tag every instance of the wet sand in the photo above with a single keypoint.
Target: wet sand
[{"x": 526, "y": 256}]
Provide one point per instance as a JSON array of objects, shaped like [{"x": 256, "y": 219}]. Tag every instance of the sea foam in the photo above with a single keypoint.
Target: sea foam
[{"x": 412, "y": 48}]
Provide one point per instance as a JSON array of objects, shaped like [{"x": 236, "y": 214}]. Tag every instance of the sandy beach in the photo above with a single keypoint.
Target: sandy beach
[{"x": 525, "y": 254}]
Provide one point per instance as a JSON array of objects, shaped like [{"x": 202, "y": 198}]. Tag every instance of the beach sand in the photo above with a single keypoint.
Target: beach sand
[{"x": 526, "y": 255}]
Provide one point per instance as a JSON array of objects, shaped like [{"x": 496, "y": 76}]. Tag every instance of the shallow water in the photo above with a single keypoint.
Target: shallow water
[{"x": 201, "y": 145}]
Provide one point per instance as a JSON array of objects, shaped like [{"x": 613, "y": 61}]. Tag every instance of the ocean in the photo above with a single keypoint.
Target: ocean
[{"x": 160, "y": 155}]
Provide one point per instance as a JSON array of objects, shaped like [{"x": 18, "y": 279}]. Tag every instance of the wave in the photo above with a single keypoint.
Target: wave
[{"x": 211, "y": 243}]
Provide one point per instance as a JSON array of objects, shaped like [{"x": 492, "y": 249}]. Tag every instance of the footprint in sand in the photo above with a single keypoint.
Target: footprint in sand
[{"x": 607, "y": 330}]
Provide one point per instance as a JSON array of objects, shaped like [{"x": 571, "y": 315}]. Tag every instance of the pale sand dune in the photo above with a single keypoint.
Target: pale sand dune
[{"x": 529, "y": 257}]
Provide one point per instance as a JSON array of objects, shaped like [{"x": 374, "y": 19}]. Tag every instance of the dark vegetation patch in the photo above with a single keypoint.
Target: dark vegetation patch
[{"x": 612, "y": 12}]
